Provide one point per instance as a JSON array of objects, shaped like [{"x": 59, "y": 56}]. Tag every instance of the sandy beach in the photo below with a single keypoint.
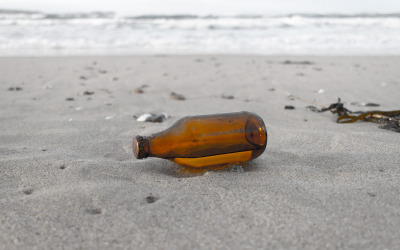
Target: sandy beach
[{"x": 69, "y": 180}]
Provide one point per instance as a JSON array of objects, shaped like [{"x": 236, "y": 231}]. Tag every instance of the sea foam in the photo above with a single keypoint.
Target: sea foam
[{"x": 105, "y": 33}]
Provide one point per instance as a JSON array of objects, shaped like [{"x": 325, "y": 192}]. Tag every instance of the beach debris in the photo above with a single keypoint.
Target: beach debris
[
  {"x": 14, "y": 89},
  {"x": 94, "y": 211},
  {"x": 69, "y": 99},
  {"x": 28, "y": 191},
  {"x": 297, "y": 62},
  {"x": 321, "y": 91},
  {"x": 229, "y": 97},
  {"x": 151, "y": 199},
  {"x": 140, "y": 89},
  {"x": 79, "y": 108},
  {"x": 369, "y": 104},
  {"x": 88, "y": 92},
  {"x": 177, "y": 96},
  {"x": 389, "y": 119},
  {"x": 151, "y": 117},
  {"x": 83, "y": 78},
  {"x": 289, "y": 107},
  {"x": 201, "y": 143},
  {"x": 109, "y": 117}
]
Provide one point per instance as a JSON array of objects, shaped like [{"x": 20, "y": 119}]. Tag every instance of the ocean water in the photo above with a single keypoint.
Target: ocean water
[{"x": 99, "y": 33}]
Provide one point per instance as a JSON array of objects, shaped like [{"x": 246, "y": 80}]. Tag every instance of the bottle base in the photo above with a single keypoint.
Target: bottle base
[{"x": 217, "y": 162}]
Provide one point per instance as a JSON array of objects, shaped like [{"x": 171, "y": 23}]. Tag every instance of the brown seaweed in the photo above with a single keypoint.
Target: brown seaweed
[{"x": 389, "y": 119}]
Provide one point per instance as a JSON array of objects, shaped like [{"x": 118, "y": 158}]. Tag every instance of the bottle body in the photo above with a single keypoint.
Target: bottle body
[{"x": 207, "y": 140}]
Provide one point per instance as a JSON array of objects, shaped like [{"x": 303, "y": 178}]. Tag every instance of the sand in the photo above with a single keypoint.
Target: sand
[{"x": 68, "y": 178}]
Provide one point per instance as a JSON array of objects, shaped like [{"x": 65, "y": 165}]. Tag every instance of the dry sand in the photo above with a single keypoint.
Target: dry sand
[{"x": 68, "y": 178}]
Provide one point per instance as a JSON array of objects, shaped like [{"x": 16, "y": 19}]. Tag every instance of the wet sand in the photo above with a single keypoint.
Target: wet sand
[{"x": 68, "y": 178}]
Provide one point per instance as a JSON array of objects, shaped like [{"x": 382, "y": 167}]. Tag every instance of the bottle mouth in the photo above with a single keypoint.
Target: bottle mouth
[{"x": 140, "y": 147}]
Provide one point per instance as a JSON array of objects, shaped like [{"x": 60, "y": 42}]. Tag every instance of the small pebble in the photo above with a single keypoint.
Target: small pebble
[
  {"x": 69, "y": 99},
  {"x": 230, "y": 97},
  {"x": 28, "y": 191},
  {"x": 176, "y": 96},
  {"x": 370, "y": 104},
  {"x": 152, "y": 117},
  {"x": 88, "y": 92},
  {"x": 138, "y": 91},
  {"x": 14, "y": 89},
  {"x": 289, "y": 107},
  {"x": 109, "y": 117},
  {"x": 151, "y": 199}
]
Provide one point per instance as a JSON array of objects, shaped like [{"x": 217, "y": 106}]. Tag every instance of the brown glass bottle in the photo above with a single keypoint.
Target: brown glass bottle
[{"x": 206, "y": 141}]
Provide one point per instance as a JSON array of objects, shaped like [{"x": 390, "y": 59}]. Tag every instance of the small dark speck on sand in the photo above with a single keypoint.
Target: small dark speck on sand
[
  {"x": 229, "y": 97},
  {"x": 88, "y": 92},
  {"x": 177, "y": 96},
  {"x": 94, "y": 211},
  {"x": 83, "y": 78},
  {"x": 298, "y": 62},
  {"x": 28, "y": 191},
  {"x": 372, "y": 194},
  {"x": 69, "y": 99},
  {"x": 151, "y": 199},
  {"x": 372, "y": 105},
  {"x": 272, "y": 89},
  {"x": 138, "y": 91},
  {"x": 289, "y": 107},
  {"x": 199, "y": 60},
  {"x": 381, "y": 170},
  {"x": 102, "y": 71},
  {"x": 14, "y": 89},
  {"x": 63, "y": 167}
]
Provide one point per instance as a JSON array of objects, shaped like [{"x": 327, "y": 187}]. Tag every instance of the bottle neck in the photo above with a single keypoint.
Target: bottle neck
[{"x": 140, "y": 147}]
